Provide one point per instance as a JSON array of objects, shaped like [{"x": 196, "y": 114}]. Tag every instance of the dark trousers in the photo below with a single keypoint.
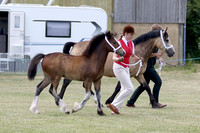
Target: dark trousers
[{"x": 150, "y": 74}]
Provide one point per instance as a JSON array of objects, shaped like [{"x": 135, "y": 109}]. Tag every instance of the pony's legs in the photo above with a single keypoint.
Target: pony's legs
[
  {"x": 78, "y": 106},
  {"x": 142, "y": 81},
  {"x": 97, "y": 85},
  {"x": 112, "y": 97},
  {"x": 63, "y": 106},
  {"x": 151, "y": 98},
  {"x": 39, "y": 89}
]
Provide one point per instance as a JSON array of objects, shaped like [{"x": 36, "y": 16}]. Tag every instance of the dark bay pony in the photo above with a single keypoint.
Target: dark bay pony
[
  {"x": 144, "y": 46},
  {"x": 88, "y": 68}
]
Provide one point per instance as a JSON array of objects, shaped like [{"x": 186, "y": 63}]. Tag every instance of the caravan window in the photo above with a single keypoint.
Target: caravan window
[
  {"x": 17, "y": 21},
  {"x": 58, "y": 29}
]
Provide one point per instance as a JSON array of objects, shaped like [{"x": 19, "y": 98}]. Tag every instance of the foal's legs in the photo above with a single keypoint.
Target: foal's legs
[
  {"x": 66, "y": 82},
  {"x": 39, "y": 89},
  {"x": 78, "y": 106},
  {"x": 97, "y": 86},
  {"x": 63, "y": 106}
]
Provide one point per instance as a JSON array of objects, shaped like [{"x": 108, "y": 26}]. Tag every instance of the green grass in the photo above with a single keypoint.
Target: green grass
[{"x": 180, "y": 91}]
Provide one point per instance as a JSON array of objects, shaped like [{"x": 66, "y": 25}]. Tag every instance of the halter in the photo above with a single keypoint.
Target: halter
[
  {"x": 114, "y": 49},
  {"x": 140, "y": 61},
  {"x": 161, "y": 35}
]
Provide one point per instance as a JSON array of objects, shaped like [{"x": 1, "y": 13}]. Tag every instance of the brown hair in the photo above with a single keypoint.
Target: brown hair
[
  {"x": 127, "y": 29},
  {"x": 156, "y": 27}
]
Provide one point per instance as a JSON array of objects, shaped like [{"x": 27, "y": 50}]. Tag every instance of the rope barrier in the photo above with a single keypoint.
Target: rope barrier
[{"x": 183, "y": 59}]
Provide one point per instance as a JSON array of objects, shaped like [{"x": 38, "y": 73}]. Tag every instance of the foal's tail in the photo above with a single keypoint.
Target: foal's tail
[
  {"x": 32, "y": 70},
  {"x": 67, "y": 47}
]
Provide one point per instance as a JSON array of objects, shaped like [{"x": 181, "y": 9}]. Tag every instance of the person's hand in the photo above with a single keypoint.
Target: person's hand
[
  {"x": 136, "y": 58},
  {"x": 159, "y": 55},
  {"x": 121, "y": 59},
  {"x": 141, "y": 58},
  {"x": 161, "y": 60}
]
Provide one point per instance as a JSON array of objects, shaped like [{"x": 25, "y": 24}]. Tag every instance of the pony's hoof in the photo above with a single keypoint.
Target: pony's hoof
[{"x": 101, "y": 113}]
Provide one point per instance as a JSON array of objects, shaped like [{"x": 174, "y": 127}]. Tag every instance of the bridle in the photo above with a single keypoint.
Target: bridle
[
  {"x": 114, "y": 49},
  {"x": 166, "y": 47}
]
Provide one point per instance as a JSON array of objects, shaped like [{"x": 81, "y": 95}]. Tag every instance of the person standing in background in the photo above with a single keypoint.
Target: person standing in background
[{"x": 150, "y": 75}]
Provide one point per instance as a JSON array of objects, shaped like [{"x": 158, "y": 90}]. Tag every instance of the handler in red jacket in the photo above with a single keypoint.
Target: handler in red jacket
[{"x": 121, "y": 70}]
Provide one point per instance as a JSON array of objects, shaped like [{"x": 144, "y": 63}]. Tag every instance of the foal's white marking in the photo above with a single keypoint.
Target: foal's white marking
[
  {"x": 94, "y": 98},
  {"x": 78, "y": 106},
  {"x": 63, "y": 106},
  {"x": 33, "y": 107}
]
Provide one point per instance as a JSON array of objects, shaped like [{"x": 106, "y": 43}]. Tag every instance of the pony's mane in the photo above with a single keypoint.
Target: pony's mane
[
  {"x": 146, "y": 36},
  {"x": 93, "y": 44}
]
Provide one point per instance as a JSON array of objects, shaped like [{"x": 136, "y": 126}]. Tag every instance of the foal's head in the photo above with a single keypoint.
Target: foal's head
[
  {"x": 113, "y": 45},
  {"x": 108, "y": 41}
]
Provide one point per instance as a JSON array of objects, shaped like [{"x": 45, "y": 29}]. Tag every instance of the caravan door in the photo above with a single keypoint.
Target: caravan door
[{"x": 16, "y": 32}]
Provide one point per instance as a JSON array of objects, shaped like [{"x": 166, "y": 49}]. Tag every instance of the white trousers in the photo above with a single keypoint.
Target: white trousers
[{"x": 123, "y": 75}]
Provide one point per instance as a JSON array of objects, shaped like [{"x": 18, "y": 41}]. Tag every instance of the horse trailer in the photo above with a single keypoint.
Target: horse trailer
[{"x": 28, "y": 29}]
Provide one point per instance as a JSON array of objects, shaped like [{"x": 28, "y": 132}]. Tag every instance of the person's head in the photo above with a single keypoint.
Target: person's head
[
  {"x": 156, "y": 27},
  {"x": 128, "y": 32}
]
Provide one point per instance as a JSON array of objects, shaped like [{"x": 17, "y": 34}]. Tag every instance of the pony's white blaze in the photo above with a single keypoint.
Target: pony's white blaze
[{"x": 33, "y": 107}]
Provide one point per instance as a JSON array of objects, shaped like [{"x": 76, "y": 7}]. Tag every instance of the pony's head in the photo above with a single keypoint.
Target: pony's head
[
  {"x": 166, "y": 43},
  {"x": 113, "y": 44}
]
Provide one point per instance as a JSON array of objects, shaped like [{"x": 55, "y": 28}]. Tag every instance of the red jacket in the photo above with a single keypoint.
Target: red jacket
[{"x": 129, "y": 51}]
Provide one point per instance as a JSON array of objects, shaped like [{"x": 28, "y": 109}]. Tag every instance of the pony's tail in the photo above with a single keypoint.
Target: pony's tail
[
  {"x": 67, "y": 47},
  {"x": 32, "y": 70}
]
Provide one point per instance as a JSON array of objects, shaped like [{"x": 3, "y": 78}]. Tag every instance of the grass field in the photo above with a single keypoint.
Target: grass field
[{"x": 180, "y": 91}]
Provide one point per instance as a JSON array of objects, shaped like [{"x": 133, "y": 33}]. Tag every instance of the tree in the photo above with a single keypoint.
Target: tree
[{"x": 193, "y": 29}]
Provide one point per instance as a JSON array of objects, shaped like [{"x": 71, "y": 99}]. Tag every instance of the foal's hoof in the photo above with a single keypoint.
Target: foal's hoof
[
  {"x": 34, "y": 110},
  {"x": 101, "y": 113},
  {"x": 57, "y": 103},
  {"x": 73, "y": 111},
  {"x": 67, "y": 113}
]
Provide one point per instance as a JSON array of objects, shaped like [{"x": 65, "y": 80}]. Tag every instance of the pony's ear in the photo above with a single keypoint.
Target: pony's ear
[
  {"x": 108, "y": 34},
  {"x": 165, "y": 33},
  {"x": 166, "y": 29},
  {"x": 114, "y": 34}
]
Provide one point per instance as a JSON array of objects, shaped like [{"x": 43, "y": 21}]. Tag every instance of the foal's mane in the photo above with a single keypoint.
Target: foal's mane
[
  {"x": 93, "y": 44},
  {"x": 147, "y": 36}
]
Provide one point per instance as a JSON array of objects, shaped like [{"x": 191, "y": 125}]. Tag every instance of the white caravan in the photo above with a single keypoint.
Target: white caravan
[{"x": 31, "y": 29}]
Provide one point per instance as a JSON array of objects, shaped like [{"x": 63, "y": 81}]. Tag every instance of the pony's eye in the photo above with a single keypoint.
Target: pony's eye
[
  {"x": 114, "y": 42},
  {"x": 167, "y": 40}
]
